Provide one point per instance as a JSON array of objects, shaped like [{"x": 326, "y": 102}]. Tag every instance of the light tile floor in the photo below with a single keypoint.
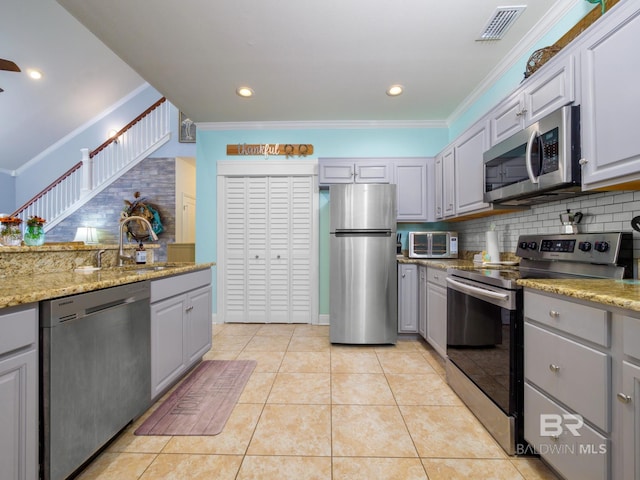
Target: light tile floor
[{"x": 312, "y": 410}]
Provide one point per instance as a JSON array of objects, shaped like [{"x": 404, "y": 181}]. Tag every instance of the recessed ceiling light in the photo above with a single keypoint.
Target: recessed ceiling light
[
  {"x": 244, "y": 92},
  {"x": 35, "y": 74},
  {"x": 395, "y": 90}
]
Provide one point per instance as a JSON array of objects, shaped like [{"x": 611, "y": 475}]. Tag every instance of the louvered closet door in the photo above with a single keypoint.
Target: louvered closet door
[
  {"x": 257, "y": 224},
  {"x": 300, "y": 249},
  {"x": 268, "y": 234},
  {"x": 235, "y": 252},
  {"x": 279, "y": 235}
]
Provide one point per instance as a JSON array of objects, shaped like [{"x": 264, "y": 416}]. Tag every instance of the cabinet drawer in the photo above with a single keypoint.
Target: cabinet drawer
[
  {"x": 18, "y": 328},
  {"x": 576, "y": 375},
  {"x": 177, "y": 284},
  {"x": 631, "y": 337},
  {"x": 437, "y": 276},
  {"x": 589, "y": 323},
  {"x": 585, "y": 456}
]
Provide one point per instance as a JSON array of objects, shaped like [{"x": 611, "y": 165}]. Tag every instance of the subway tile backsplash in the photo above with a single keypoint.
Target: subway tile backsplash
[{"x": 605, "y": 211}]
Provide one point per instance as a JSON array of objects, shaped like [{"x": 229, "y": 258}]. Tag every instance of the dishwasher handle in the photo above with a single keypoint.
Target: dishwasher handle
[{"x": 463, "y": 287}]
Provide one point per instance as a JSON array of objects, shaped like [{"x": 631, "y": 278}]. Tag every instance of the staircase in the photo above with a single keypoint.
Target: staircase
[{"x": 99, "y": 168}]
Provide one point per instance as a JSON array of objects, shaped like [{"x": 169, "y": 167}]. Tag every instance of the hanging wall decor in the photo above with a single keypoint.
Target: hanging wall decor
[{"x": 271, "y": 149}]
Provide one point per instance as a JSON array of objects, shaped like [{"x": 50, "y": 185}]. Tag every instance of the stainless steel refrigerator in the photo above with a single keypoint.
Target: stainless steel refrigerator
[{"x": 363, "y": 271}]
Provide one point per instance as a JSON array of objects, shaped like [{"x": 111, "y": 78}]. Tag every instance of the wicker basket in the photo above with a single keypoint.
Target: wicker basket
[{"x": 539, "y": 58}]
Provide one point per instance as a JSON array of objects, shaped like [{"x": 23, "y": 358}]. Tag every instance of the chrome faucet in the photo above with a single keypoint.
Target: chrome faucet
[{"x": 121, "y": 255}]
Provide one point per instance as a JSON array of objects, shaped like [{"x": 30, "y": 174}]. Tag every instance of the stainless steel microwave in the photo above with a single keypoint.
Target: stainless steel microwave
[
  {"x": 538, "y": 164},
  {"x": 433, "y": 245}
]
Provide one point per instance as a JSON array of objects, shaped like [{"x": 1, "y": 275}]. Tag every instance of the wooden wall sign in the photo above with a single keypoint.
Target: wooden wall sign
[{"x": 267, "y": 149}]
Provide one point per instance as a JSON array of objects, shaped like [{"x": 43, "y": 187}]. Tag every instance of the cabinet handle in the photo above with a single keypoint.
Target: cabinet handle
[
  {"x": 403, "y": 275},
  {"x": 278, "y": 257},
  {"x": 554, "y": 314},
  {"x": 583, "y": 161},
  {"x": 554, "y": 368},
  {"x": 623, "y": 398},
  {"x": 436, "y": 277},
  {"x": 257, "y": 257},
  {"x": 188, "y": 309}
]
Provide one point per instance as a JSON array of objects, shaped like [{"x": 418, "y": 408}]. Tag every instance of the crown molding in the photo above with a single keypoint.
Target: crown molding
[
  {"x": 546, "y": 23},
  {"x": 320, "y": 125}
]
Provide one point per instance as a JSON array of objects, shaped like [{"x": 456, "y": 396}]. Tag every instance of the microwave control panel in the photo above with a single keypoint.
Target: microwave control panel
[{"x": 550, "y": 150}]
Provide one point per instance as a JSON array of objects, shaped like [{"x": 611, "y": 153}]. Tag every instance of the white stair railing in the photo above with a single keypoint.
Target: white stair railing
[{"x": 99, "y": 168}]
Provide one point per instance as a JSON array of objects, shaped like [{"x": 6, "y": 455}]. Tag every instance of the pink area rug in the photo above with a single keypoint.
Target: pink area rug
[{"x": 202, "y": 403}]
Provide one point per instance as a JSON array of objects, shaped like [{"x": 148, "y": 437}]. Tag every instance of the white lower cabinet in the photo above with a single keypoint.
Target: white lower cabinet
[
  {"x": 582, "y": 386},
  {"x": 629, "y": 403},
  {"x": 19, "y": 393},
  {"x": 437, "y": 310},
  {"x": 407, "y": 298},
  {"x": 180, "y": 326},
  {"x": 422, "y": 301}
]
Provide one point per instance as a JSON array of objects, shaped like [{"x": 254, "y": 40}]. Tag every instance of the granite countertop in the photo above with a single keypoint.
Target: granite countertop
[
  {"x": 441, "y": 263},
  {"x": 22, "y": 289},
  {"x": 616, "y": 293}
]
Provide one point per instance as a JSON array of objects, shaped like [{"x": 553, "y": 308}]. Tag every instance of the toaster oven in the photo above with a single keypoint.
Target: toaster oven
[{"x": 433, "y": 245}]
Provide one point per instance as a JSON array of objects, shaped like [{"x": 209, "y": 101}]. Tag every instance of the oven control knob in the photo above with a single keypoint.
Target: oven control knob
[
  {"x": 524, "y": 245},
  {"x": 532, "y": 245},
  {"x": 602, "y": 246},
  {"x": 584, "y": 246}
]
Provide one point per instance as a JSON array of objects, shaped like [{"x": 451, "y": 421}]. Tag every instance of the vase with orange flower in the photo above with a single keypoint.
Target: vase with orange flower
[
  {"x": 10, "y": 231},
  {"x": 34, "y": 233}
]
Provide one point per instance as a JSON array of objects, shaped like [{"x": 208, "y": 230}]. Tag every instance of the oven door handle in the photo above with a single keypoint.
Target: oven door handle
[{"x": 463, "y": 287}]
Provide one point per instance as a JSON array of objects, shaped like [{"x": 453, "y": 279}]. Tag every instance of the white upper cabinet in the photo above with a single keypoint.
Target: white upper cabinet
[
  {"x": 611, "y": 100},
  {"x": 469, "y": 182},
  {"x": 350, "y": 170},
  {"x": 444, "y": 200},
  {"x": 548, "y": 89},
  {"x": 413, "y": 178}
]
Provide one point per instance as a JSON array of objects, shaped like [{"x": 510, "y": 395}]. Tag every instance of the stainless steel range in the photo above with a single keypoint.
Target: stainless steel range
[{"x": 485, "y": 321}]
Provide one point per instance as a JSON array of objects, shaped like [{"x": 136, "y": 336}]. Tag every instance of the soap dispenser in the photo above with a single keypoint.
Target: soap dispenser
[{"x": 141, "y": 254}]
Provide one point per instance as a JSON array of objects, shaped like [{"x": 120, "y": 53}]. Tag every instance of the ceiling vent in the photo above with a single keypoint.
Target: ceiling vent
[{"x": 500, "y": 21}]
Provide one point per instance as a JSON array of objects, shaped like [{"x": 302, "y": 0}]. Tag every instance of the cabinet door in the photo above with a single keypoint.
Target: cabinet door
[
  {"x": 610, "y": 72},
  {"x": 167, "y": 343},
  {"x": 372, "y": 171},
  {"x": 198, "y": 324},
  {"x": 335, "y": 171},
  {"x": 629, "y": 400},
  {"x": 448, "y": 183},
  {"x": 437, "y": 317},
  {"x": 469, "y": 181},
  {"x": 422, "y": 301},
  {"x": 439, "y": 180},
  {"x": 19, "y": 415},
  {"x": 411, "y": 178},
  {"x": 407, "y": 298},
  {"x": 507, "y": 119},
  {"x": 552, "y": 87}
]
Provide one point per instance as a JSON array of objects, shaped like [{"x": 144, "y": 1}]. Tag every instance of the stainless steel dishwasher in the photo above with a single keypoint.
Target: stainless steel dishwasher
[{"x": 95, "y": 372}]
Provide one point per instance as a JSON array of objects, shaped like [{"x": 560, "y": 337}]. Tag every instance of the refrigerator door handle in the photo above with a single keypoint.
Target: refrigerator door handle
[{"x": 363, "y": 233}]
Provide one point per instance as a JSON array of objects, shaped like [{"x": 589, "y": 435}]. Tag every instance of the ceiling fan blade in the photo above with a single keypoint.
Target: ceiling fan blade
[{"x": 8, "y": 65}]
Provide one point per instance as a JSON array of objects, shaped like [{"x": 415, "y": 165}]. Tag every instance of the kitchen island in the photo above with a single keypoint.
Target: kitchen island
[{"x": 178, "y": 331}]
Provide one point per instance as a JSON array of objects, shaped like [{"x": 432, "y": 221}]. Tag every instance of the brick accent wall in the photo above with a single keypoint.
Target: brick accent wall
[{"x": 154, "y": 178}]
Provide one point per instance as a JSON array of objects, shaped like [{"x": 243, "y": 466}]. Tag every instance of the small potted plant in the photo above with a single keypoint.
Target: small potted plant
[
  {"x": 34, "y": 234},
  {"x": 11, "y": 234}
]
